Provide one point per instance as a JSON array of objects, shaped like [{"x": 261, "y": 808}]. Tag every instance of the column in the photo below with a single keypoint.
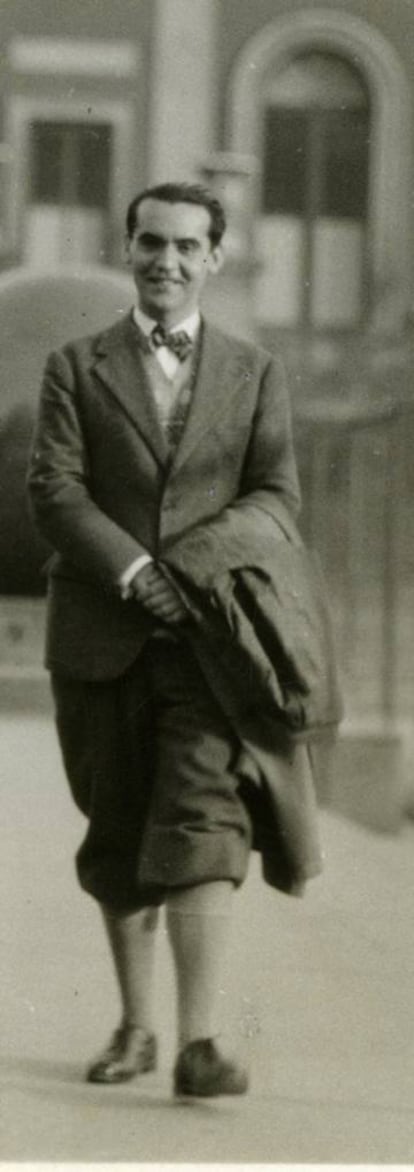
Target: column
[{"x": 183, "y": 88}]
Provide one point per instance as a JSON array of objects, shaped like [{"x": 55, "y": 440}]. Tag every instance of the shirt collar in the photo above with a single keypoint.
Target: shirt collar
[{"x": 146, "y": 324}]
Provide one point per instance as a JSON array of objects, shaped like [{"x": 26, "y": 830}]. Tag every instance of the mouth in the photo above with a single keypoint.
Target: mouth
[{"x": 163, "y": 282}]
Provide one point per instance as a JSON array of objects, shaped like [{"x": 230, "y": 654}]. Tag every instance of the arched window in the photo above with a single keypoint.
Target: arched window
[
  {"x": 321, "y": 100},
  {"x": 313, "y": 216}
]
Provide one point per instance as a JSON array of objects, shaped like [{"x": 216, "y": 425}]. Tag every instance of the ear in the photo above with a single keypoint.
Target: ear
[{"x": 216, "y": 259}]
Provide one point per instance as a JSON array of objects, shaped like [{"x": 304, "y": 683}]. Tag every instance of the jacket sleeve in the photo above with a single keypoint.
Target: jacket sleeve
[{"x": 58, "y": 484}]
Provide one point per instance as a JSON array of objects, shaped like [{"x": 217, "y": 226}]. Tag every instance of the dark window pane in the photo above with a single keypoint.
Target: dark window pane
[
  {"x": 344, "y": 191},
  {"x": 46, "y": 162},
  {"x": 71, "y": 163},
  {"x": 284, "y": 169},
  {"x": 95, "y": 147}
]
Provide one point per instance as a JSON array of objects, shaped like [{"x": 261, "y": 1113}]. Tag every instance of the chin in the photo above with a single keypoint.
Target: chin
[
  {"x": 163, "y": 306},
  {"x": 161, "y": 301}
]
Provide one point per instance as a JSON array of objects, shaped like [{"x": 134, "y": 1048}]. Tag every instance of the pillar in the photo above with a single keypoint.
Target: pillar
[{"x": 183, "y": 81}]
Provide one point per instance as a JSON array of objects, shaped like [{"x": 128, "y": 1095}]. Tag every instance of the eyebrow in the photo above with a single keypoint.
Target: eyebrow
[{"x": 155, "y": 238}]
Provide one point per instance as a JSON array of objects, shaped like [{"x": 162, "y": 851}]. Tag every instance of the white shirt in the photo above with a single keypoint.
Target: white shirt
[
  {"x": 169, "y": 363},
  {"x": 166, "y": 358}
]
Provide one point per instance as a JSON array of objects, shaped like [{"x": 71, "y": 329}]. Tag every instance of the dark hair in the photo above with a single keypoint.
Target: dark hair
[{"x": 181, "y": 193}]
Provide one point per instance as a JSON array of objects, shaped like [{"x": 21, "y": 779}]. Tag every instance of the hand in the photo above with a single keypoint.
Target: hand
[{"x": 158, "y": 595}]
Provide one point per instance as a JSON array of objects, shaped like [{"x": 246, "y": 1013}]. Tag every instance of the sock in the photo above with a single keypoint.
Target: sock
[{"x": 198, "y": 920}]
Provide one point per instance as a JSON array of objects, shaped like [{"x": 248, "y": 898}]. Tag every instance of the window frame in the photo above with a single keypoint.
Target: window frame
[
  {"x": 22, "y": 111},
  {"x": 315, "y": 121},
  {"x": 354, "y": 39}
]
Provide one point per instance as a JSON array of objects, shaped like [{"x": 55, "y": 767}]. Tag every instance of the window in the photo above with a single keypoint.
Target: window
[
  {"x": 70, "y": 163},
  {"x": 68, "y": 191},
  {"x": 70, "y": 177},
  {"x": 313, "y": 223}
]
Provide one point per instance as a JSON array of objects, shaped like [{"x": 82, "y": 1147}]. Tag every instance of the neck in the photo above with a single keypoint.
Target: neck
[{"x": 169, "y": 320}]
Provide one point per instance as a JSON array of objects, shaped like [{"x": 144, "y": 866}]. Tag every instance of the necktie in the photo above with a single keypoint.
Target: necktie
[{"x": 177, "y": 341}]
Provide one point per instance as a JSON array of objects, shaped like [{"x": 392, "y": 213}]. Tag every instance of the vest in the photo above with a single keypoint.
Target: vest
[{"x": 172, "y": 397}]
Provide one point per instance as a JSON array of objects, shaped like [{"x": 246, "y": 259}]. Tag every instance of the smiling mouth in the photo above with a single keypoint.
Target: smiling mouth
[{"x": 163, "y": 281}]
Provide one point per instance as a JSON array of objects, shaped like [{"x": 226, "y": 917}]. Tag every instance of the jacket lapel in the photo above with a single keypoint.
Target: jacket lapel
[
  {"x": 120, "y": 367},
  {"x": 222, "y": 367}
]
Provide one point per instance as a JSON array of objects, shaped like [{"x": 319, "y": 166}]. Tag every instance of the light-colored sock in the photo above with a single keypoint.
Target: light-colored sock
[
  {"x": 132, "y": 938},
  {"x": 198, "y": 921}
]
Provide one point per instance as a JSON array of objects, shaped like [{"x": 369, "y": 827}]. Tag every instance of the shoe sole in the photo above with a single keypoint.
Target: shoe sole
[
  {"x": 209, "y": 1092},
  {"x": 126, "y": 1076}
]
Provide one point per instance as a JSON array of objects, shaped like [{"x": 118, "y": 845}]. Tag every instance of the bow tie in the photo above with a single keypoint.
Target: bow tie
[{"x": 178, "y": 342}]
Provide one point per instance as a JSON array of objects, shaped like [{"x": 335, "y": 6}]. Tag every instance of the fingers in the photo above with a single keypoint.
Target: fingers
[
  {"x": 148, "y": 584},
  {"x": 168, "y": 611},
  {"x": 158, "y": 595},
  {"x": 166, "y": 605},
  {"x": 159, "y": 592},
  {"x": 174, "y": 615},
  {"x": 144, "y": 581}
]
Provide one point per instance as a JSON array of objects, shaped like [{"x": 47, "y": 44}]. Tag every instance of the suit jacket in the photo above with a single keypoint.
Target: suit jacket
[{"x": 104, "y": 488}]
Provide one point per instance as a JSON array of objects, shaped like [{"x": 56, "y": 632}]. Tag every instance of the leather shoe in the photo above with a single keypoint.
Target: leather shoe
[
  {"x": 131, "y": 1051},
  {"x": 201, "y": 1070}
]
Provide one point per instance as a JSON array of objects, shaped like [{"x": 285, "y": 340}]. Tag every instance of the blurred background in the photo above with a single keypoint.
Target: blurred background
[{"x": 300, "y": 115}]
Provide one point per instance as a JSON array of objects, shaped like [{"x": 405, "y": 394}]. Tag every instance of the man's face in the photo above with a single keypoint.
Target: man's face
[{"x": 171, "y": 256}]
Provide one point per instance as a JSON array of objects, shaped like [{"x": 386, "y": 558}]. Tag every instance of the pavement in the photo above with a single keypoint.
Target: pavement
[{"x": 318, "y": 995}]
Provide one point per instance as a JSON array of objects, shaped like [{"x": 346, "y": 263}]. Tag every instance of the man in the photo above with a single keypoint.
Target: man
[{"x": 146, "y": 433}]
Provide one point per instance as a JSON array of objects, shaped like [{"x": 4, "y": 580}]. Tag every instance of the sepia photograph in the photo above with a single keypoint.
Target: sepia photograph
[{"x": 207, "y": 583}]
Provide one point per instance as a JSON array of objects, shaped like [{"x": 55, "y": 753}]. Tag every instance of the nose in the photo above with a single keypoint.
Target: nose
[{"x": 167, "y": 257}]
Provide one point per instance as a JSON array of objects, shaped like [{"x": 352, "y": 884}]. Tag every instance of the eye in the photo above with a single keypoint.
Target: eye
[
  {"x": 148, "y": 241},
  {"x": 187, "y": 246}
]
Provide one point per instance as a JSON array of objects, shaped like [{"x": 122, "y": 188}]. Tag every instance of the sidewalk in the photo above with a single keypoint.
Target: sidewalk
[{"x": 319, "y": 994}]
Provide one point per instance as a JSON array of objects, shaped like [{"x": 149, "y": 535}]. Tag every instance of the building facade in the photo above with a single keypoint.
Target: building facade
[
  {"x": 302, "y": 111},
  {"x": 300, "y": 114}
]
